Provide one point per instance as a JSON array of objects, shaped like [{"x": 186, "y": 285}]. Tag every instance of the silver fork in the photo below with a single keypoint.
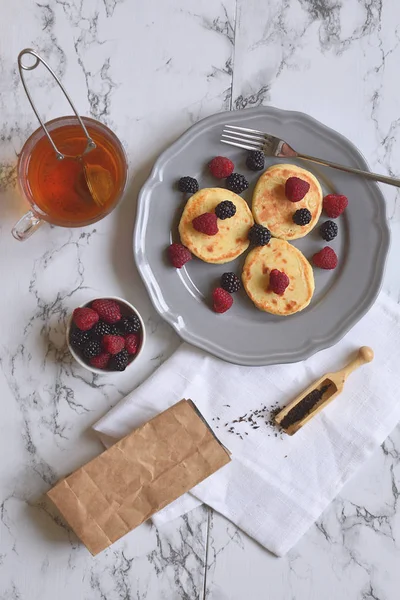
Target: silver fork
[{"x": 251, "y": 139}]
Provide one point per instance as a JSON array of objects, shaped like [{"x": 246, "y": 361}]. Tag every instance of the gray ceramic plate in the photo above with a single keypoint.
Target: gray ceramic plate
[{"x": 245, "y": 335}]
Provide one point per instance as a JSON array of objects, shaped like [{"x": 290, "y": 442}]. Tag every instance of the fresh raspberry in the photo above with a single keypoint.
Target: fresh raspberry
[
  {"x": 222, "y": 300},
  {"x": 178, "y": 255},
  {"x": 278, "y": 282},
  {"x": 206, "y": 223},
  {"x": 100, "y": 361},
  {"x": 113, "y": 343},
  {"x": 132, "y": 342},
  {"x": 334, "y": 205},
  {"x": 108, "y": 310},
  {"x": 296, "y": 189},
  {"x": 221, "y": 167},
  {"x": 85, "y": 318},
  {"x": 325, "y": 258}
]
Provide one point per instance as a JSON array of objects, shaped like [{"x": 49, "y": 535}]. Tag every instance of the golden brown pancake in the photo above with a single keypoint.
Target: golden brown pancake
[
  {"x": 280, "y": 255},
  {"x": 272, "y": 209},
  {"x": 231, "y": 239}
]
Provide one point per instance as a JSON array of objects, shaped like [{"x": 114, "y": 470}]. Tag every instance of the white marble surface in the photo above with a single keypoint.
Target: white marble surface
[{"x": 148, "y": 70}]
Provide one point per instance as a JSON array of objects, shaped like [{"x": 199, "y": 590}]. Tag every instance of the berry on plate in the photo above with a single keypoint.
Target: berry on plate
[
  {"x": 178, "y": 255},
  {"x": 222, "y": 300},
  {"x": 259, "y": 235},
  {"x": 278, "y": 282},
  {"x": 221, "y": 167},
  {"x": 188, "y": 185},
  {"x": 113, "y": 343},
  {"x": 296, "y": 189},
  {"x": 108, "y": 310},
  {"x": 225, "y": 210},
  {"x": 334, "y": 205},
  {"x": 132, "y": 343},
  {"x": 302, "y": 217},
  {"x": 328, "y": 231},
  {"x": 230, "y": 282},
  {"x": 101, "y": 361},
  {"x": 85, "y": 318},
  {"x": 206, "y": 223},
  {"x": 120, "y": 361},
  {"x": 237, "y": 183},
  {"x": 325, "y": 258},
  {"x": 255, "y": 160}
]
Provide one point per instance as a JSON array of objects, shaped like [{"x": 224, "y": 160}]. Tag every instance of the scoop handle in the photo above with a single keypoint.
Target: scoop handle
[{"x": 364, "y": 355}]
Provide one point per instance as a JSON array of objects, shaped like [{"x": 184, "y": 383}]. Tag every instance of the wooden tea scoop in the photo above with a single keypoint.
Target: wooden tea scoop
[
  {"x": 319, "y": 394},
  {"x": 99, "y": 182}
]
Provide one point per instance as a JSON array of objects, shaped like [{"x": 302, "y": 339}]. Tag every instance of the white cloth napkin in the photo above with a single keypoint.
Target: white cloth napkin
[{"x": 276, "y": 487}]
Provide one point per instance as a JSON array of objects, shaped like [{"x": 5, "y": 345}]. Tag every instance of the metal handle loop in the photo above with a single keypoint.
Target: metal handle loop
[{"x": 38, "y": 59}]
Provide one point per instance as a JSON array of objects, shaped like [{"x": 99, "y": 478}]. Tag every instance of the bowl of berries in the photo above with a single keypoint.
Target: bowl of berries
[{"x": 105, "y": 334}]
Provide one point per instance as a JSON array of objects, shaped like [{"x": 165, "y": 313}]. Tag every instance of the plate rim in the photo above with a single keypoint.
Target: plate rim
[{"x": 313, "y": 345}]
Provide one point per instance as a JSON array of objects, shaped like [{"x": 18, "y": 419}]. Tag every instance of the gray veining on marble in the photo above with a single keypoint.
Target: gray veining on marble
[{"x": 149, "y": 70}]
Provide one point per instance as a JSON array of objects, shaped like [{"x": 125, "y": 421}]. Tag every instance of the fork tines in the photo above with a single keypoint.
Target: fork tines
[{"x": 242, "y": 137}]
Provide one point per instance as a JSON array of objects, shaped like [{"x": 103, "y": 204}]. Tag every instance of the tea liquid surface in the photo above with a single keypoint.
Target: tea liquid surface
[{"x": 59, "y": 187}]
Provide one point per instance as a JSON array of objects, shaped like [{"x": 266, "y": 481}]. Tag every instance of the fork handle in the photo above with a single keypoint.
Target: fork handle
[{"x": 366, "y": 174}]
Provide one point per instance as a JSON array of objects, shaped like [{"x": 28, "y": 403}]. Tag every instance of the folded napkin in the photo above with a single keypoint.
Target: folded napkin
[{"x": 276, "y": 486}]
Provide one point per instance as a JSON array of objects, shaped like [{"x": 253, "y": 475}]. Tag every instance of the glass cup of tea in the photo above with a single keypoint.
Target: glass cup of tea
[{"x": 70, "y": 192}]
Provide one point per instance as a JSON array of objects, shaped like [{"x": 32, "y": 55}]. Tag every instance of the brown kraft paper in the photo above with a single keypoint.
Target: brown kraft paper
[{"x": 139, "y": 475}]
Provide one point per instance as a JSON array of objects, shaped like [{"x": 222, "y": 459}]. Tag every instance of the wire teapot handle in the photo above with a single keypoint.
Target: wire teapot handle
[{"x": 38, "y": 59}]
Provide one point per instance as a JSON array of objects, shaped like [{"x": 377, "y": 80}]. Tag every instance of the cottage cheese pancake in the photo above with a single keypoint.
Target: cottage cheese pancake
[
  {"x": 272, "y": 209},
  {"x": 231, "y": 239},
  {"x": 281, "y": 255}
]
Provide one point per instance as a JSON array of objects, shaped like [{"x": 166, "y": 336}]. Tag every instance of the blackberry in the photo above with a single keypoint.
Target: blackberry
[
  {"x": 114, "y": 329},
  {"x": 78, "y": 338},
  {"x": 255, "y": 160},
  {"x": 119, "y": 361},
  {"x": 302, "y": 217},
  {"x": 130, "y": 325},
  {"x": 237, "y": 183},
  {"x": 328, "y": 230},
  {"x": 92, "y": 349},
  {"x": 188, "y": 185},
  {"x": 101, "y": 328},
  {"x": 225, "y": 210},
  {"x": 230, "y": 282},
  {"x": 259, "y": 235}
]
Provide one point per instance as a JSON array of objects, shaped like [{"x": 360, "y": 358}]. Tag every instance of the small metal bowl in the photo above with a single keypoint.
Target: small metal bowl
[{"x": 127, "y": 310}]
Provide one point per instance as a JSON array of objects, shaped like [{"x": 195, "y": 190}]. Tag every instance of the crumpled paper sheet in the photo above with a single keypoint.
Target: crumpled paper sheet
[{"x": 139, "y": 475}]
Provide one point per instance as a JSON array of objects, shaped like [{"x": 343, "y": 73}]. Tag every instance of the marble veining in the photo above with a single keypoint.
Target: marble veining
[{"x": 149, "y": 70}]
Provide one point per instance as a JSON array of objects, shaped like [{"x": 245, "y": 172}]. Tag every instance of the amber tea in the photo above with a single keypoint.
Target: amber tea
[{"x": 57, "y": 188}]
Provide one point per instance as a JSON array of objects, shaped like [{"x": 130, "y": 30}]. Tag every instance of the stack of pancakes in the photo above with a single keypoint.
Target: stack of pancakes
[{"x": 272, "y": 209}]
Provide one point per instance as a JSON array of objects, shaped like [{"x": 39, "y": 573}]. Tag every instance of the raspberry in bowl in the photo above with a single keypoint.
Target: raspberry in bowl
[{"x": 105, "y": 335}]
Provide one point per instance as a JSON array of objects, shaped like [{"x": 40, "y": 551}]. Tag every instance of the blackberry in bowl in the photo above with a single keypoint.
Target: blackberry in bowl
[{"x": 105, "y": 335}]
